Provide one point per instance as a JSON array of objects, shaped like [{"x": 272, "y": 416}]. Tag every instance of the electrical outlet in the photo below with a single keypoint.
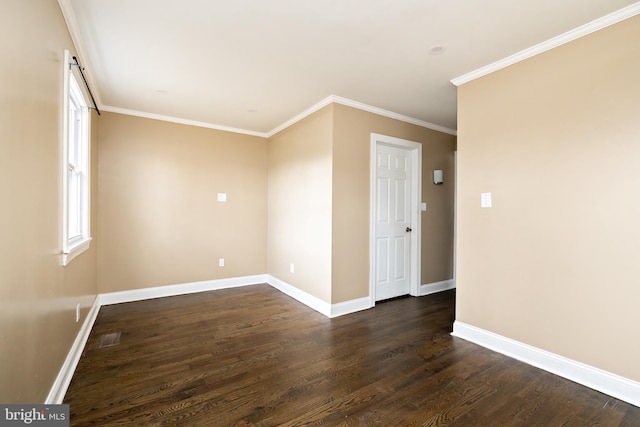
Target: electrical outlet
[
  {"x": 221, "y": 262},
  {"x": 293, "y": 270},
  {"x": 77, "y": 312}
]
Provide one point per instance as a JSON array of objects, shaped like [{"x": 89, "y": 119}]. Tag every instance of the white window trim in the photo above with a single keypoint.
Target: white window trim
[
  {"x": 75, "y": 250},
  {"x": 71, "y": 249}
]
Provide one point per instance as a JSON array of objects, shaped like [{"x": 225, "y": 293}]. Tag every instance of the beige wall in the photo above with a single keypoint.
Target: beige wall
[
  {"x": 159, "y": 216},
  {"x": 351, "y": 175},
  {"x": 155, "y": 207},
  {"x": 300, "y": 187},
  {"x": 556, "y": 139},
  {"x": 38, "y": 296},
  {"x": 319, "y": 201}
]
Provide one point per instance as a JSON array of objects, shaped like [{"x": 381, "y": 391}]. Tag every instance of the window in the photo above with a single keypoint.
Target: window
[{"x": 75, "y": 168}]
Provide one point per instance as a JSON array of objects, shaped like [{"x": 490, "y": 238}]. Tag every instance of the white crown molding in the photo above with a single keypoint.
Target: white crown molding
[
  {"x": 72, "y": 25},
  {"x": 391, "y": 115},
  {"x": 360, "y": 106},
  {"x": 295, "y": 119},
  {"x": 598, "y": 24},
  {"x": 597, "y": 379},
  {"x": 306, "y": 113},
  {"x": 181, "y": 121}
]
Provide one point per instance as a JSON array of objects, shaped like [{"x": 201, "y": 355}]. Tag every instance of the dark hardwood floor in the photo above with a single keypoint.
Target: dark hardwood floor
[{"x": 254, "y": 356}]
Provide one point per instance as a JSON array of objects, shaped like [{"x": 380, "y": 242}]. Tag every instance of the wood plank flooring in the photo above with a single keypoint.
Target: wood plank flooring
[{"x": 254, "y": 356}]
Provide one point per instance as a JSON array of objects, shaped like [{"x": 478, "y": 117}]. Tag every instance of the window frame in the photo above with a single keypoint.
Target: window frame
[{"x": 76, "y": 143}]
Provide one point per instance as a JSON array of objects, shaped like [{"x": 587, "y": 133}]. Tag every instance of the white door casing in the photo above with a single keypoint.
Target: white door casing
[{"x": 395, "y": 198}]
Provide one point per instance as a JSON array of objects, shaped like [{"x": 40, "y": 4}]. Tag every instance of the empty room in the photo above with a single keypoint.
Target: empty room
[{"x": 342, "y": 212}]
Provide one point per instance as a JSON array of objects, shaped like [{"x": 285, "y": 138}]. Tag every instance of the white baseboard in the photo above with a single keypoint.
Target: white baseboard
[
  {"x": 597, "y": 379},
  {"x": 182, "y": 289},
  {"x": 321, "y": 306},
  {"x": 351, "y": 306},
  {"x": 309, "y": 300},
  {"x": 432, "y": 288},
  {"x": 62, "y": 381},
  {"x": 61, "y": 384}
]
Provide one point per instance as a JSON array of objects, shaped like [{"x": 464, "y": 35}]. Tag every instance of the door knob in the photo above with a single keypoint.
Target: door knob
[{"x": 408, "y": 229}]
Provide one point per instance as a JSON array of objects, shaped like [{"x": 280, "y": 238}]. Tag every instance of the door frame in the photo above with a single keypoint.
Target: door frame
[{"x": 415, "y": 150}]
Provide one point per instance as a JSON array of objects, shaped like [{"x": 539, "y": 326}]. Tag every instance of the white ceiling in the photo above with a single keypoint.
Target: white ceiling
[{"x": 254, "y": 64}]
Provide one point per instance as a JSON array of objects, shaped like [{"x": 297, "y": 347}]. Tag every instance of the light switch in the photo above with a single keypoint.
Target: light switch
[
  {"x": 222, "y": 197},
  {"x": 485, "y": 200},
  {"x": 423, "y": 207}
]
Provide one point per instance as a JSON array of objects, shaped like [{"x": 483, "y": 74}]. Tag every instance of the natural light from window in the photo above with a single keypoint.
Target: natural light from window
[{"x": 76, "y": 142}]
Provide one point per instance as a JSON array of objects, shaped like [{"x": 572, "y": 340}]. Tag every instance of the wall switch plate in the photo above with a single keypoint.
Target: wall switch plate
[
  {"x": 222, "y": 197},
  {"x": 485, "y": 200},
  {"x": 423, "y": 207},
  {"x": 77, "y": 312},
  {"x": 221, "y": 262}
]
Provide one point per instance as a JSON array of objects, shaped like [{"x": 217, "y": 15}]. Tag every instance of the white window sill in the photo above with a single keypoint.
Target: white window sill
[{"x": 75, "y": 250}]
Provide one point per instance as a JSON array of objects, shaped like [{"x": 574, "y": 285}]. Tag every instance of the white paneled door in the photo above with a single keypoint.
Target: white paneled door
[{"x": 392, "y": 222}]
